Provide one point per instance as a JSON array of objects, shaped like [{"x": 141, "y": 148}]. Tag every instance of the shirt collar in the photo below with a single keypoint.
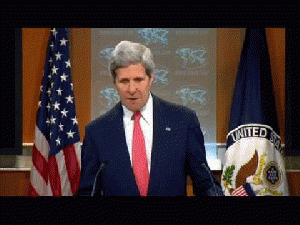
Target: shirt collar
[{"x": 146, "y": 111}]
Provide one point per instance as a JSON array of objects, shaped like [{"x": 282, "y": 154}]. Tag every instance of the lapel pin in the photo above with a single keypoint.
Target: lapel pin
[{"x": 168, "y": 129}]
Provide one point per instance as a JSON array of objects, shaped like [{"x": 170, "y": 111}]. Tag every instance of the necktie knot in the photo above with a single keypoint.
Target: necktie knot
[{"x": 137, "y": 115}]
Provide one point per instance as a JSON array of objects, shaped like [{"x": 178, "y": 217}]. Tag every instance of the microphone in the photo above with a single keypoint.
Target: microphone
[
  {"x": 102, "y": 166},
  {"x": 211, "y": 179}
]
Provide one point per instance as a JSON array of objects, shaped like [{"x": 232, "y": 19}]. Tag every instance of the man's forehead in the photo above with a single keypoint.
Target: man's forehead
[
  {"x": 132, "y": 67},
  {"x": 131, "y": 71}
]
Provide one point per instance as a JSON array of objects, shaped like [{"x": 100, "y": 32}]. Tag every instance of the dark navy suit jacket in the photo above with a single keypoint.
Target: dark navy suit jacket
[{"x": 178, "y": 150}]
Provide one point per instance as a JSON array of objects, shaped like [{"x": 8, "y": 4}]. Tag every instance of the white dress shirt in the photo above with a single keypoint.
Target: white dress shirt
[{"x": 146, "y": 123}]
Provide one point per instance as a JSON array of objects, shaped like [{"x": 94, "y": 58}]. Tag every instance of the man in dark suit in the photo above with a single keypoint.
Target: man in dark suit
[{"x": 144, "y": 146}]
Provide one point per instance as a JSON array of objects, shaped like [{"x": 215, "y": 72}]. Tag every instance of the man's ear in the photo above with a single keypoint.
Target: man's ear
[{"x": 152, "y": 78}]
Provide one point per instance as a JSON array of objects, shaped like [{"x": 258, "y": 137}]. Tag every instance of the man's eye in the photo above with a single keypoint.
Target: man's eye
[
  {"x": 123, "y": 81},
  {"x": 139, "y": 79}
]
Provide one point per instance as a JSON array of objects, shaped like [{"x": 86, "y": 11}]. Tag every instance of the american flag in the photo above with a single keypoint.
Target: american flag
[
  {"x": 243, "y": 190},
  {"x": 240, "y": 191},
  {"x": 56, "y": 153}
]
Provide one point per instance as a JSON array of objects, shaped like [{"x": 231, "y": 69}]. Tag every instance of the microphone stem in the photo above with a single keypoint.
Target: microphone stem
[{"x": 96, "y": 177}]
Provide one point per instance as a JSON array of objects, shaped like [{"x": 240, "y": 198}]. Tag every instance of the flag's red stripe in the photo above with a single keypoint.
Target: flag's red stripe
[
  {"x": 32, "y": 191},
  {"x": 238, "y": 194},
  {"x": 54, "y": 177},
  {"x": 240, "y": 191},
  {"x": 73, "y": 167},
  {"x": 40, "y": 163}
]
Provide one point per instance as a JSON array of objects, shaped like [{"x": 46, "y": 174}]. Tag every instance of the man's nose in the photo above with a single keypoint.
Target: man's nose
[{"x": 132, "y": 87}]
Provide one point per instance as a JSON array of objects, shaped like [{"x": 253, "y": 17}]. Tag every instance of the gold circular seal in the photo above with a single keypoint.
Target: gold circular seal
[{"x": 272, "y": 175}]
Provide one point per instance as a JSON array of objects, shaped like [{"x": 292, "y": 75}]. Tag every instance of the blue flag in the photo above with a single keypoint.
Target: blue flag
[{"x": 253, "y": 158}]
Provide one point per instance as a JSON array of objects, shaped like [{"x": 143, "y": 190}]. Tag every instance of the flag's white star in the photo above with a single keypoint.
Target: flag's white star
[
  {"x": 56, "y": 106},
  {"x": 58, "y": 141},
  {"x": 48, "y": 106},
  {"x": 54, "y": 70},
  {"x": 52, "y": 120},
  {"x": 70, "y": 134},
  {"x": 49, "y": 92},
  {"x": 39, "y": 104},
  {"x": 54, "y": 32},
  {"x": 68, "y": 63},
  {"x": 64, "y": 113},
  {"x": 61, "y": 127},
  {"x": 63, "y": 77},
  {"x": 48, "y": 121},
  {"x": 69, "y": 99},
  {"x": 63, "y": 42},
  {"x": 59, "y": 91},
  {"x": 74, "y": 120},
  {"x": 52, "y": 46},
  {"x": 58, "y": 56}
]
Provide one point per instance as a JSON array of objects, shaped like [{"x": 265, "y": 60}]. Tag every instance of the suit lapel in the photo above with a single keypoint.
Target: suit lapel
[
  {"x": 160, "y": 132},
  {"x": 121, "y": 155},
  {"x": 118, "y": 133}
]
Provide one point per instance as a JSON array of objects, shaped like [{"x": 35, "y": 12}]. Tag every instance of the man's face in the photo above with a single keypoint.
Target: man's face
[{"x": 133, "y": 86}]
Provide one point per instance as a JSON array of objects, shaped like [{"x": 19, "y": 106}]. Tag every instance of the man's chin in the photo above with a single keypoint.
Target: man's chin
[{"x": 133, "y": 106}]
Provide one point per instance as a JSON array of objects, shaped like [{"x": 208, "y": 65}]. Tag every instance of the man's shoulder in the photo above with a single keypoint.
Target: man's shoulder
[{"x": 171, "y": 106}]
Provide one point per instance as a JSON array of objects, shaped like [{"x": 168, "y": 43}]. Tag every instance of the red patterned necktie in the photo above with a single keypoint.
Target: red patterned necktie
[{"x": 139, "y": 158}]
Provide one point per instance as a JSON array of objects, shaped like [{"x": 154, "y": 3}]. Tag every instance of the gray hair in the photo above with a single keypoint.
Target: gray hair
[{"x": 127, "y": 53}]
